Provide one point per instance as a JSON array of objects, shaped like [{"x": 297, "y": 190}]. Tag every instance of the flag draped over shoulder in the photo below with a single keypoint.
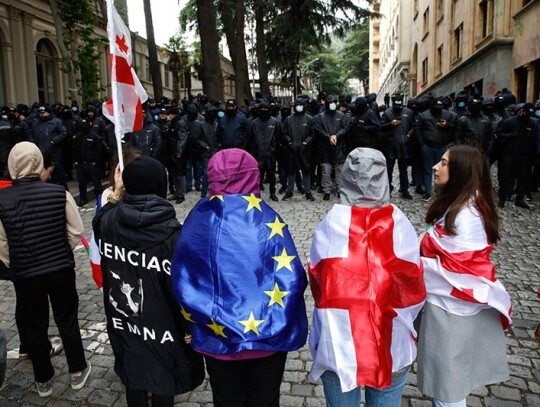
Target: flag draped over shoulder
[
  {"x": 460, "y": 277},
  {"x": 238, "y": 277},
  {"x": 124, "y": 108},
  {"x": 367, "y": 282}
]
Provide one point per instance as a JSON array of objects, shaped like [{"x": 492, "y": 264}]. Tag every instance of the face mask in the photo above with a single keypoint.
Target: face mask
[
  {"x": 461, "y": 104},
  {"x": 221, "y": 114},
  {"x": 332, "y": 106},
  {"x": 299, "y": 108}
]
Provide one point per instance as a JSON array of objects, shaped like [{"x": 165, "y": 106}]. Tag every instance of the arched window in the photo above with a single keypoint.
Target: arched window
[{"x": 47, "y": 71}]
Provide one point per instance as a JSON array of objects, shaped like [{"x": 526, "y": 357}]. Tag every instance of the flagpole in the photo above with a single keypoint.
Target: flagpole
[{"x": 127, "y": 93}]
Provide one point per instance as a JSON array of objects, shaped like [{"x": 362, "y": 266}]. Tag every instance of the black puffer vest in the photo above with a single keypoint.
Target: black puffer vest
[{"x": 33, "y": 214}]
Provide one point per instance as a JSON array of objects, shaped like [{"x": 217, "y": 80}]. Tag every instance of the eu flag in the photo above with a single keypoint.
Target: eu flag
[{"x": 238, "y": 277}]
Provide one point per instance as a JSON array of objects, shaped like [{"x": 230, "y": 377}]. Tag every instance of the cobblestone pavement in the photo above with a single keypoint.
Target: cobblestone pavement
[{"x": 516, "y": 257}]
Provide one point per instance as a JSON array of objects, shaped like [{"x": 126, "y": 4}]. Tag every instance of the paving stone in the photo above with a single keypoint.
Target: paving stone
[
  {"x": 516, "y": 258},
  {"x": 302, "y": 390},
  {"x": 506, "y": 393},
  {"x": 103, "y": 397}
]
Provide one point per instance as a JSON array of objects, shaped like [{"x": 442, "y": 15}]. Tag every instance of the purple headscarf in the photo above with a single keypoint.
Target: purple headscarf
[{"x": 233, "y": 171}]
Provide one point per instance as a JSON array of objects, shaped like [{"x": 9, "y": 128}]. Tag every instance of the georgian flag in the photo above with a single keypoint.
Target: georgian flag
[
  {"x": 367, "y": 281},
  {"x": 460, "y": 277},
  {"x": 124, "y": 108}
]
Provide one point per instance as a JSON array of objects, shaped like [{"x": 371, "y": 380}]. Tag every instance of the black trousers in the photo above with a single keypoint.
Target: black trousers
[
  {"x": 514, "y": 169},
  {"x": 33, "y": 320},
  {"x": 403, "y": 177},
  {"x": 88, "y": 172},
  {"x": 246, "y": 383},
  {"x": 176, "y": 168},
  {"x": 267, "y": 168},
  {"x": 139, "y": 398}
]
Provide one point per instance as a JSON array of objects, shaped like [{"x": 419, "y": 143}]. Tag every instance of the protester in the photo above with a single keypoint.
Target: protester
[
  {"x": 368, "y": 287},
  {"x": 462, "y": 343},
  {"x": 136, "y": 236},
  {"x": 240, "y": 282},
  {"x": 39, "y": 227}
]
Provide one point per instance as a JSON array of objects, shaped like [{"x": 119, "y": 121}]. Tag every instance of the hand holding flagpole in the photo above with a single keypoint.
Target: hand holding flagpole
[{"x": 124, "y": 108}]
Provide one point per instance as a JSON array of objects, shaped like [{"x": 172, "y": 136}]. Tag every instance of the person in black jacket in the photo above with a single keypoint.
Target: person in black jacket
[
  {"x": 49, "y": 133},
  {"x": 298, "y": 137},
  {"x": 363, "y": 127},
  {"x": 136, "y": 234},
  {"x": 7, "y": 140},
  {"x": 517, "y": 143},
  {"x": 233, "y": 128},
  {"x": 264, "y": 134},
  {"x": 148, "y": 139},
  {"x": 474, "y": 128},
  {"x": 175, "y": 154},
  {"x": 330, "y": 130},
  {"x": 434, "y": 129},
  {"x": 397, "y": 123},
  {"x": 87, "y": 158},
  {"x": 205, "y": 144}
]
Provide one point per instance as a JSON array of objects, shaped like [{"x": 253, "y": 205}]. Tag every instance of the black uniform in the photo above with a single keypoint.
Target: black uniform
[{"x": 88, "y": 149}]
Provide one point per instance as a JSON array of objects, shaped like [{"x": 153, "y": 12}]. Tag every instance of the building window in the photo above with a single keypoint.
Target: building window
[
  {"x": 457, "y": 43},
  {"x": 167, "y": 76},
  {"x": 148, "y": 74},
  {"x": 438, "y": 62},
  {"x": 486, "y": 18},
  {"x": 47, "y": 70},
  {"x": 425, "y": 30},
  {"x": 424, "y": 71},
  {"x": 440, "y": 10}
]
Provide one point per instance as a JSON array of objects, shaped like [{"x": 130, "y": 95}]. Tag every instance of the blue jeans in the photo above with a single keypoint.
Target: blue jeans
[
  {"x": 388, "y": 397},
  {"x": 430, "y": 157}
]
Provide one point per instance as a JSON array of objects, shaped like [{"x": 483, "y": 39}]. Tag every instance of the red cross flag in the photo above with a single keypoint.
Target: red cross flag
[
  {"x": 367, "y": 283},
  {"x": 124, "y": 108},
  {"x": 460, "y": 277}
]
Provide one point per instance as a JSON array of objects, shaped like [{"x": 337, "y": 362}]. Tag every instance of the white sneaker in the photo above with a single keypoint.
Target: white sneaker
[
  {"x": 78, "y": 380},
  {"x": 44, "y": 389}
]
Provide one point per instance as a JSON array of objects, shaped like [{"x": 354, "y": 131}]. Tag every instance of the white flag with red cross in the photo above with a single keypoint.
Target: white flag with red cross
[
  {"x": 124, "y": 108},
  {"x": 459, "y": 274}
]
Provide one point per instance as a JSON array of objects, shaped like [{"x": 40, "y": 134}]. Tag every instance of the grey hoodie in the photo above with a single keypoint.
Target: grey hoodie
[{"x": 364, "y": 180}]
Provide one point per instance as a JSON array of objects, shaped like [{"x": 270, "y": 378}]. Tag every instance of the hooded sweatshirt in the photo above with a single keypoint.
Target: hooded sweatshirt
[
  {"x": 229, "y": 262},
  {"x": 365, "y": 264},
  {"x": 26, "y": 204},
  {"x": 136, "y": 239}
]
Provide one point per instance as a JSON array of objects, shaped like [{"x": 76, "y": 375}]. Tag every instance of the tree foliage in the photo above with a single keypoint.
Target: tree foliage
[
  {"x": 78, "y": 19},
  {"x": 356, "y": 54}
]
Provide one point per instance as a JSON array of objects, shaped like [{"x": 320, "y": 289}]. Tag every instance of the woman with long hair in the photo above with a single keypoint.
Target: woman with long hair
[{"x": 461, "y": 344}]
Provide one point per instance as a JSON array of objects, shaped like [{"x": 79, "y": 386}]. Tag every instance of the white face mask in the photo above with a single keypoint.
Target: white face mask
[
  {"x": 332, "y": 106},
  {"x": 299, "y": 108}
]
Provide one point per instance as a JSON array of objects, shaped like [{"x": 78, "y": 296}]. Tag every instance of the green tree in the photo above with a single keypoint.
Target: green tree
[
  {"x": 74, "y": 22},
  {"x": 356, "y": 54},
  {"x": 153, "y": 62},
  {"x": 302, "y": 25}
]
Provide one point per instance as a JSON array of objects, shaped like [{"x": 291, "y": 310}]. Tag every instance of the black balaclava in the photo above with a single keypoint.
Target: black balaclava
[
  {"x": 144, "y": 176},
  {"x": 436, "y": 107},
  {"x": 475, "y": 107},
  {"x": 360, "y": 105}
]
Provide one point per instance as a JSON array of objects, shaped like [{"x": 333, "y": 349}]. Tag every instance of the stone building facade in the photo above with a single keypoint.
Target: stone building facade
[
  {"x": 475, "y": 45},
  {"x": 30, "y": 60}
]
